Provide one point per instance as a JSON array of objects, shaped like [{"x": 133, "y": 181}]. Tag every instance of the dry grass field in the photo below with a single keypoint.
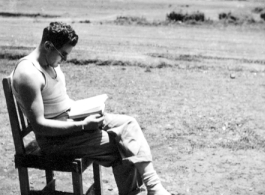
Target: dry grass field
[{"x": 197, "y": 90}]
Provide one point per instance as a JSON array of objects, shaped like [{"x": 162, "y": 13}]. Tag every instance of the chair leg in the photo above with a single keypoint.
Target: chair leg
[
  {"x": 77, "y": 183},
  {"x": 24, "y": 181},
  {"x": 98, "y": 188},
  {"x": 50, "y": 181}
]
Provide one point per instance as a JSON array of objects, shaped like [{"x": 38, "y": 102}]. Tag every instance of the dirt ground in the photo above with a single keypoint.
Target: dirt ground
[
  {"x": 196, "y": 90},
  {"x": 206, "y": 138}
]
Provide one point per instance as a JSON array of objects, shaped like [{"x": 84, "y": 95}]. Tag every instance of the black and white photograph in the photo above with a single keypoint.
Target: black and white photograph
[{"x": 132, "y": 97}]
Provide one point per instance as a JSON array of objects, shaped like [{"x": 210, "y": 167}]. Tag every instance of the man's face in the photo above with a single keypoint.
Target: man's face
[{"x": 56, "y": 56}]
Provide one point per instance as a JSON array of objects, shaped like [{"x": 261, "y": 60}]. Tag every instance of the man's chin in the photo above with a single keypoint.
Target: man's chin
[{"x": 56, "y": 65}]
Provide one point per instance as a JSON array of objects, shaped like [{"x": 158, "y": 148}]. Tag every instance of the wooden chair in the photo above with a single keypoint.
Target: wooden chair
[{"x": 29, "y": 156}]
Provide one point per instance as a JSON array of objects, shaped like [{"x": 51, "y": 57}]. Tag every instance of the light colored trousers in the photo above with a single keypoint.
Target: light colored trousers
[{"x": 120, "y": 144}]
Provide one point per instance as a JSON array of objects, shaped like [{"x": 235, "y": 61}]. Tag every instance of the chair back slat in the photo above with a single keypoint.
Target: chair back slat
[
  {"x": 26, "y": 131},
  {"x": 17, "y": 120},
  {"x": 21, "y": 117}
]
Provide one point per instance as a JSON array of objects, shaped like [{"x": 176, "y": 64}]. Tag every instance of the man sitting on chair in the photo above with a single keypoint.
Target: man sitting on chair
[{"x": 38, "y": 84}]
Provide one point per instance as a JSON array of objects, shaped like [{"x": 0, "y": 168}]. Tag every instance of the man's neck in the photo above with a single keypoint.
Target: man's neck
[{"x": 39, "y": 54}]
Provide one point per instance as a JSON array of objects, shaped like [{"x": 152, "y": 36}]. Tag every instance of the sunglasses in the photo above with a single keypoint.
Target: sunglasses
[{"x": 64, "y": 57}]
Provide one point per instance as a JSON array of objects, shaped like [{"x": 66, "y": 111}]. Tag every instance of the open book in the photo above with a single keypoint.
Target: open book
[{"x": 85, "y": 107}]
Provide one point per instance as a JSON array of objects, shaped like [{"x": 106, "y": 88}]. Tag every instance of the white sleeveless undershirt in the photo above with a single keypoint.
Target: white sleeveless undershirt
[{"x": 55, "y": 99}]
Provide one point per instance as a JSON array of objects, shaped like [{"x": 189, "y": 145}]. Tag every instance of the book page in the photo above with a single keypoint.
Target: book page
[{"x": 88, "y": 106}]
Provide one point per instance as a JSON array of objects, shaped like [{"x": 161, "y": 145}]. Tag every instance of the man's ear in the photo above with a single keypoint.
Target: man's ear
[{"x": 47, "y": 45}]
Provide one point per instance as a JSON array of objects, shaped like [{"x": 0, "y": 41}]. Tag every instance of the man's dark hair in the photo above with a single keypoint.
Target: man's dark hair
[{"x": 59, "y": 34}]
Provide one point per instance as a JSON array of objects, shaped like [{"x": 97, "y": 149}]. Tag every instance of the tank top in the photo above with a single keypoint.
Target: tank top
[{"x": 55, "y": 99}]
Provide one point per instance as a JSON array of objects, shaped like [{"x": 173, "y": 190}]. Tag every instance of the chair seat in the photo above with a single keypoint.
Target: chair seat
[
  {"x": 35, "y": 159},
  {"x": 57, "y": 163}
]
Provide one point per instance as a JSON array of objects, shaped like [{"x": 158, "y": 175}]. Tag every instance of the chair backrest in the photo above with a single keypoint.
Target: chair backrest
[{"x": 19, "y": 124}]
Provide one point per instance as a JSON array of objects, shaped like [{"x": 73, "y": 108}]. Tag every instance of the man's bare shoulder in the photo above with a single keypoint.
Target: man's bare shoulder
[{"x": 26, "y": 74}]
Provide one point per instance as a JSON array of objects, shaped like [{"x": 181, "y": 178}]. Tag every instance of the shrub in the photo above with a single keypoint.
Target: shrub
[
  {"x": 251, "y": 20},
  {"x": 228, "y": 17},
  {"x": 258, "y": 9},
  {"x": 196, "y": 16},
  {"x": 131, "y": 20},
  {"x": 181, "y": 17},
  {"x": 262, "y": 15},
  {"x": 176, "y": 16},
  {"x": 85, "y": 21},
  {"x": 241, "y": 19}
]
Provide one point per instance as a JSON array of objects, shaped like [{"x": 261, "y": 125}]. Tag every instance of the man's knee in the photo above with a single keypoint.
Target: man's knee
[
  {"x": 132, "y": 119},
  {"x": 119, "y": 119}
]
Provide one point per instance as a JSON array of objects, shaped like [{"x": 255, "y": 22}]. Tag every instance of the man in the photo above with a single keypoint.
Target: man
[{"x": 39, "y": 87}]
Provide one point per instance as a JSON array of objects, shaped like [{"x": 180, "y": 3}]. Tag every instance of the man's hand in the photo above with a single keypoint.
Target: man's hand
[{"x": 93, "y": 122}]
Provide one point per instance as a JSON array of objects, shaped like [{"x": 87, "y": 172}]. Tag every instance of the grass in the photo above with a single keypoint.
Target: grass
[
  {"x": 205, "y": 100},
  {"x": 194, "y": 120},
  {"x": 182, "y": 111}
]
